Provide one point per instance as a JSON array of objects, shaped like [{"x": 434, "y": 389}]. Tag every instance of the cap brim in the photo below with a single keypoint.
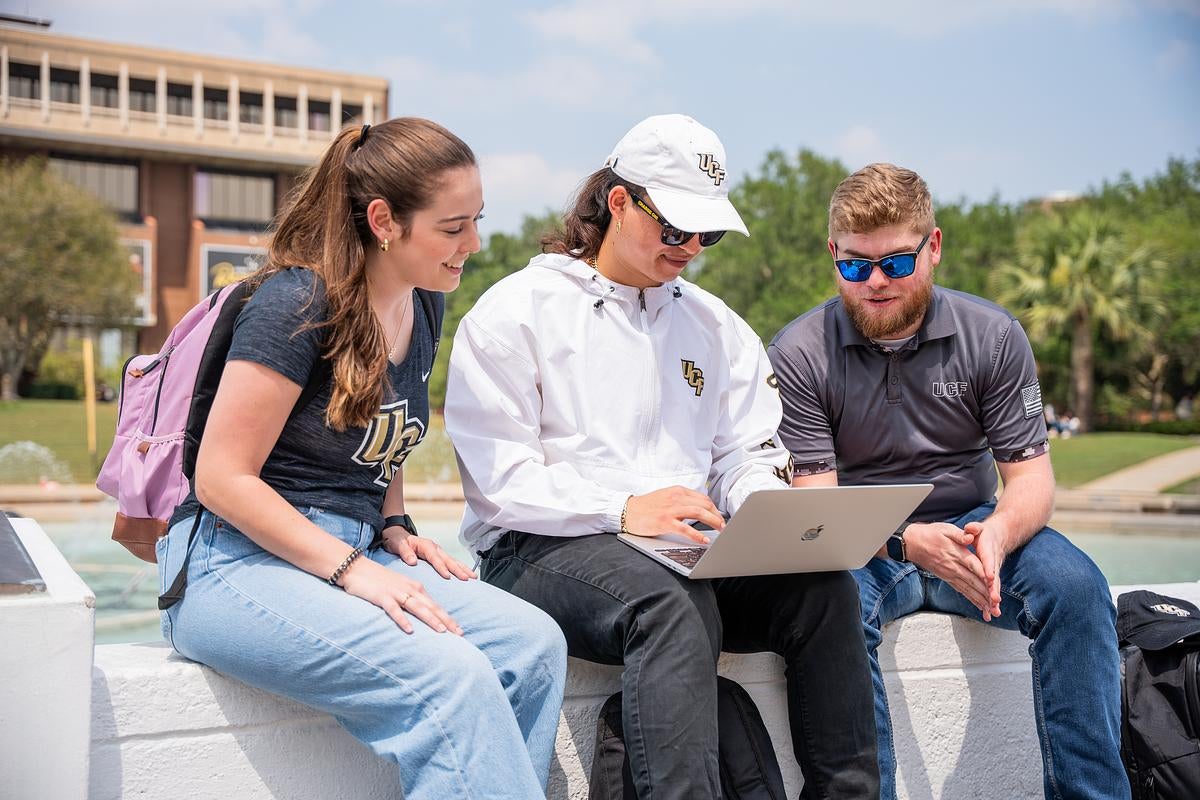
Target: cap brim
[{"x": 697, "y": 214}]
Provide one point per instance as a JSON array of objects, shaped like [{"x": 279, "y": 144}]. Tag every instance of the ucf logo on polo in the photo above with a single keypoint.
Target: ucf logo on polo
[
  {"x": 712, "y": 168},
  {"x": 950, "y": 388},
  {"x": 390, "y": 437}
]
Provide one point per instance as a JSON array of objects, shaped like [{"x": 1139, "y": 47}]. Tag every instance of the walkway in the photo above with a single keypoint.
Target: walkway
[{"x": 1154, "y": 475}]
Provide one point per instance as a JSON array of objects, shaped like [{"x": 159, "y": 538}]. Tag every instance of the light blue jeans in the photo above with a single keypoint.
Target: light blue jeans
[
  {"x": 464, "y": 717},
  {"x": 1053, "y": 594}
]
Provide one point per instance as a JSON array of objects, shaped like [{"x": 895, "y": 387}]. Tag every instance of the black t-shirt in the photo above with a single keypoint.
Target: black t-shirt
[{"x": 311, "y": 464}]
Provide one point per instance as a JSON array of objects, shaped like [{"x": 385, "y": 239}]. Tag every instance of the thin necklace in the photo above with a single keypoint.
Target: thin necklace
[{"x": 391, "y": 354}]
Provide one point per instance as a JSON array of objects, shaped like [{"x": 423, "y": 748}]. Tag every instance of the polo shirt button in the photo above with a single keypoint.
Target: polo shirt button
[{"x": 895, "y": 381}]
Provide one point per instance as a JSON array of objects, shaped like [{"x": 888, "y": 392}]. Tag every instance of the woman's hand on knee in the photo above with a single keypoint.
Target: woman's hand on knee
[
  {"x": 399, "y": 596},
  {"x": 409, "y": 548},
  {"x": 664, "y": 511}
]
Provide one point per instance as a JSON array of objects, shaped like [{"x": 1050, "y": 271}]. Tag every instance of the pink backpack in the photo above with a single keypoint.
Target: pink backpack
[{"x": 144, "y": 470}]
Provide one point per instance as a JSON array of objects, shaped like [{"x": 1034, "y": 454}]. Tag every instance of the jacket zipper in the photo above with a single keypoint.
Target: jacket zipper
[{"x": 652, "y": 417}]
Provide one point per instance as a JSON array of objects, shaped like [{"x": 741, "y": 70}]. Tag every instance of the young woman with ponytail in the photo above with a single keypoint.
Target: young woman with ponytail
[{"x": 306, "y": 578}]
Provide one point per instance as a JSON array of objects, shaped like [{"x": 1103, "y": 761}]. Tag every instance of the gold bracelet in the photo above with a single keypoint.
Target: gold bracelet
[{"x": 624, "y": 512}]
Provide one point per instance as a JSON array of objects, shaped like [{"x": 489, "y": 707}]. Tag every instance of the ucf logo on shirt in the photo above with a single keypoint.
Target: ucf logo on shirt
[{"x": 390, "y": 437}]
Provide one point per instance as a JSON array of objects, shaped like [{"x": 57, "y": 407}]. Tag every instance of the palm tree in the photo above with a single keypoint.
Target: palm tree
[{"x": 1074, "y": 270}]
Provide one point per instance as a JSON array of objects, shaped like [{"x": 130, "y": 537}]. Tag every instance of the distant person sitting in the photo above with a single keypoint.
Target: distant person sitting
[{"x": 899, "y": 381}]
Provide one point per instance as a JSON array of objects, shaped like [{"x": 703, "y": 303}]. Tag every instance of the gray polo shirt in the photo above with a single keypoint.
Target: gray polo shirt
[{"x": 960, "y": 395}]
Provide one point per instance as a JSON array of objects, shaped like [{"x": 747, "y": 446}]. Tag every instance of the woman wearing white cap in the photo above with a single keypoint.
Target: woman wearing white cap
[{"x": 596, "y": 391}]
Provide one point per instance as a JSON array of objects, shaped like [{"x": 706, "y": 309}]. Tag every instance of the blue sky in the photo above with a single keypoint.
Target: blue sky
[{"x": 1020, "y": 98}]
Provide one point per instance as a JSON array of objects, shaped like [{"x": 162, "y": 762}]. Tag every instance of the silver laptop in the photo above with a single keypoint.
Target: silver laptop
[{"x": 779, "y": 531}]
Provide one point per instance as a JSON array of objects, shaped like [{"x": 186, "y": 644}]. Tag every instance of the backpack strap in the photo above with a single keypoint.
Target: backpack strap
[{"x": 434, "y": 311}]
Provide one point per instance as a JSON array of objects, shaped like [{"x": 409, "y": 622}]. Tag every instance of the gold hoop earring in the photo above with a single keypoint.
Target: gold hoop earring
[{"x": 383, "y": 246}]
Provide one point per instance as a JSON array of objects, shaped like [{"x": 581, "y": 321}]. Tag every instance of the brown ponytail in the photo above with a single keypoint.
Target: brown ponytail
[
  {"x": 586, "y": 222},
  {"x": 324, "y": 228}
]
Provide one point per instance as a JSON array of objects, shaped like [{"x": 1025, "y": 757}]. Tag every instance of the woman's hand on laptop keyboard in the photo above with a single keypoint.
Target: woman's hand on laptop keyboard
[{"x": 664, "y": 511}]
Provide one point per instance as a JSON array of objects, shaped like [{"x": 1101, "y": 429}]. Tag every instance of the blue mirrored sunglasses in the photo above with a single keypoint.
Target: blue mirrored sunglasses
[{"x": 897, "y": 265}]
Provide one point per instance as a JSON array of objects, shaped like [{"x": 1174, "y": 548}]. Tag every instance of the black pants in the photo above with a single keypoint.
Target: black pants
[{"x": 618, "y": 607}]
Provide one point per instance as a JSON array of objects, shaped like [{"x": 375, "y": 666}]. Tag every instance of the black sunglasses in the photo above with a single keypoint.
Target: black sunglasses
[
  {"x": 897, "y": 265},
  {"x": 670, "y": 234}
]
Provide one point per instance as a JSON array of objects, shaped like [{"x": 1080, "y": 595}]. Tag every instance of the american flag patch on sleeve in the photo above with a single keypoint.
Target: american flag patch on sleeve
[{"x": 1031, "y": 398}]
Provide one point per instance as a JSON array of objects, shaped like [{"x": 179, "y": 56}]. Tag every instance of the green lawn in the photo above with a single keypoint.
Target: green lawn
[
  {"x": 57, "y": 431},
  {"x": 1085, "y": 458},
  {"x": 1187, "y": 487}
]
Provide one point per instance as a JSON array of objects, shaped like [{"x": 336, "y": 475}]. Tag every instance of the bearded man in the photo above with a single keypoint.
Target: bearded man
[{"x": 901, "y": 381}]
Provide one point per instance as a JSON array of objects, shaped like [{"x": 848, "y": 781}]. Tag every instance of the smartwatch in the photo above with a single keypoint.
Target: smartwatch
[
  {"x": 895, "y": 546},
  {"x": 403, "y": 520}
]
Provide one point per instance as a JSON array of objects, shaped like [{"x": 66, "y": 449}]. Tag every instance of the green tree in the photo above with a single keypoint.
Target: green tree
[
  {"x": 503, "y": 255},
  {"x": 60, "y": 261},
  {"x": 783, "y": 268},
  {"x": 1075, "y": 272},
  {"x": 977, "y": 239},
  {"x": 1163, "y": 213}
]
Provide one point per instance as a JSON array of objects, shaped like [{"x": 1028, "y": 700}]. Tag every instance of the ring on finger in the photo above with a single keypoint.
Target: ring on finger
[{"x": 407, "y": 597}]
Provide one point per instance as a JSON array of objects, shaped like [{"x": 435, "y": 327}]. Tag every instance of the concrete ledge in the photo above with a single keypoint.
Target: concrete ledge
[
  {"x": 163, "y": 727},
  {"x": 45, "y": 660}
]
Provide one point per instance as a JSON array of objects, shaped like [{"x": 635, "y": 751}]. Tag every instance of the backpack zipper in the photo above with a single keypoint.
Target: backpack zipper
[
  {"x": 165, "y": 358},
  {"x": 121, "y": 396},
  {"x": 1191, "y": 663},
  {"x": 137, "y": 373}
]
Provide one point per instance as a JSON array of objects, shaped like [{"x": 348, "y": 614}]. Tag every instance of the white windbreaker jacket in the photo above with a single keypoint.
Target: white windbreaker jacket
[{"x": 568, "y": 393}]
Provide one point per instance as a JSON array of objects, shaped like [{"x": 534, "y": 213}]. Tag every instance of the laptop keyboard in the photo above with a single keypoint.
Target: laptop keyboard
[{"x": 684, "y": 556}]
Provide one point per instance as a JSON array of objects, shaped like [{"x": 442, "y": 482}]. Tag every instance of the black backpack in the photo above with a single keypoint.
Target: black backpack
[
  {"x": 749, "y": 769},
  {"x": 1160, "y": 695}
]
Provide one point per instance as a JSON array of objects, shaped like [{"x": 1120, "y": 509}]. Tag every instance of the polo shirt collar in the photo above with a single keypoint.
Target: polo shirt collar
[{"x": 938, "y": 323}]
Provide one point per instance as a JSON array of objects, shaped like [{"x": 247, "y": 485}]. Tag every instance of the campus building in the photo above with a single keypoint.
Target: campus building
[{"x": 194, "y": 153}]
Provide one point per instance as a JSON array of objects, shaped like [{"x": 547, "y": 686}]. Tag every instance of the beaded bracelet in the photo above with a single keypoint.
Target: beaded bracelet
[{"x": 337, "y": 573}]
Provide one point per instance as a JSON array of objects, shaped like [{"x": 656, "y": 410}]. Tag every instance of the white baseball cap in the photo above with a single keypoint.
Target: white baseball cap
[{"x": 681, "y": 164}]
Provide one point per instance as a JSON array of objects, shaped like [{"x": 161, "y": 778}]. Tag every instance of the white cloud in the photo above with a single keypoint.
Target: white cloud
[
  {"x": 615, "y": 26},
  {"x": 1176, "y": 56},
  {"x": 259, "y": 30},
  {"x": 516, "y": 184}
]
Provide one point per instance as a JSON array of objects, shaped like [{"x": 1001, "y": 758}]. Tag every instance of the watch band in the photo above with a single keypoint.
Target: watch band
[{"x": 403, "y": 520}]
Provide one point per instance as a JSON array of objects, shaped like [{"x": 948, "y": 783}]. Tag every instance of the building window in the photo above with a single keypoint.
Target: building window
[
  {"x": 216, "y": 104},
  {"x": 143, "y": 95},
  {"x": 179, "y": 99},
  {"x": 104, "y": 90},
  {"x": 114, "y": 183},
  {"x": 24, "y": 80},
  {"x": 351, "y": 115},
  {"x": 285, "y": 112},
  {"x": 318, "y": 115},
  {"x": 234, "y": 199},
  {"x": 64, "y": 86},
  {"x": 250, "y": 109}
]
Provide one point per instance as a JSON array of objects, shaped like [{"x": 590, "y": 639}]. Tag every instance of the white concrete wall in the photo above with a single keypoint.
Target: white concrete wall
[
  {"x": 45, "y": 679},
  {"x": 166, "y": 728}
]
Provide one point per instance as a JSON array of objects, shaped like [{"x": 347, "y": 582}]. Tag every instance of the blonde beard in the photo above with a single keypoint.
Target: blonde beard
[{"x": 888, "y": 326}]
